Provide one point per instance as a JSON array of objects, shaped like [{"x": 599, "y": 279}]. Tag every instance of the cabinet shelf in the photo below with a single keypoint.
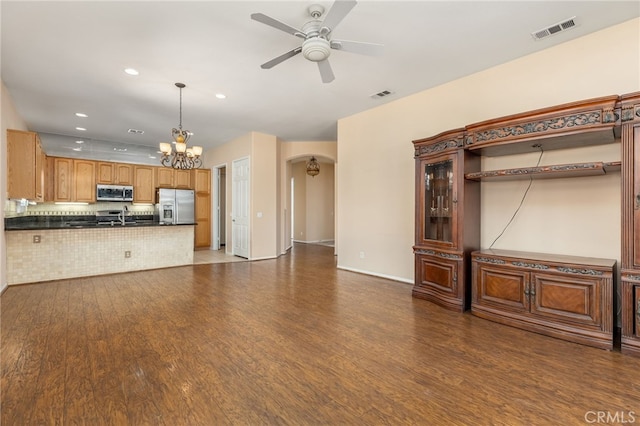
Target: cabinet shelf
[{"x": 547, "y": 172}]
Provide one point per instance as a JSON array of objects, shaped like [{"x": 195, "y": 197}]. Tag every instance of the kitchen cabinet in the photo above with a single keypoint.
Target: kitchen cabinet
[
  {"x": 63, "y": 179},
  {"x": 143, "y": 185},
  {"x": 630, "y": 148},
  {"x": 173, "y": 178},
  {"x": 84, "y": 181},
  {"x": 182, "y": 179},
  {"x": 108, "y": 173},
  {"x": 74, "y": 180},
  {"x": 446, "y": 230},
  {"x": 164, "y": 177},
  {"x": 25, "y": 166},
  {"x": 567, "y": 297},
  {"x": 202, "y": 185}
]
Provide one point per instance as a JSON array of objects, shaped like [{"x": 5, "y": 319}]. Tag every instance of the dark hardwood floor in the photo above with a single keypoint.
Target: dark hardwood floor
[{"x": 288, "y": 341}]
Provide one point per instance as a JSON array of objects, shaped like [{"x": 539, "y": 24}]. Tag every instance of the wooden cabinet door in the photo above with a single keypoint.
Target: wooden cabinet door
[
  {"x": 202, "y": 180},
  {"x": 203, "y": 220},
  {"x": 164, "y": 177},
  {"x": 143, "y": 187},
  {"x": 21, "y": 164},
  {"x": 40, "y": 163},
  {"x": 123, "y": 173},
  {"x": 105, "y": 173},
  {"x": 182, "y": 179},
  {"x": 567, "y": 299},
  {"x": 438, "y": 275},
  {"x": 63, "y": 179},
  {"x": 501, "y": 288},
  {"x": 84, "y": 179},
  {"x": 437, "y": 185}
]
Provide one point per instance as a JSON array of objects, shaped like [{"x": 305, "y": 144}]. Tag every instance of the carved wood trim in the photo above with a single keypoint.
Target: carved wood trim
[{"x": 584, "y": 116}]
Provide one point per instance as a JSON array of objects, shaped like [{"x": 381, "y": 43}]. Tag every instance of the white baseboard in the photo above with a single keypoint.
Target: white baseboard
[{"x": 389, "y": 277}]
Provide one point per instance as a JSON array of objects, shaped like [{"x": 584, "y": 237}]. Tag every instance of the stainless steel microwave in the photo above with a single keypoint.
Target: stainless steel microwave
[{"x": 114, "y": 193}]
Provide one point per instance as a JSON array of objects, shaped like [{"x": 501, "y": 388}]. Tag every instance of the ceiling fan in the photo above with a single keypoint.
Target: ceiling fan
[{"x": 316, "y": 34}]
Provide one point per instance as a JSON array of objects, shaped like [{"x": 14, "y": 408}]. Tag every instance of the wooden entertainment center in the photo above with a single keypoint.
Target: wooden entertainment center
[{"x": 563, "y": 296}]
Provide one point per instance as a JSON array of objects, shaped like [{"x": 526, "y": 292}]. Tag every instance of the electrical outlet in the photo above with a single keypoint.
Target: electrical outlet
[
  {"x": 36, "y": 239},
  {"x": 127, "y": 254},
  {"x": 361, "y": 255}
]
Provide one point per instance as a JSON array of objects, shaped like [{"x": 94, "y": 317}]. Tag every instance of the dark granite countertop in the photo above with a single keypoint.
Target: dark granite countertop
[{"x": 27, "y": 223}]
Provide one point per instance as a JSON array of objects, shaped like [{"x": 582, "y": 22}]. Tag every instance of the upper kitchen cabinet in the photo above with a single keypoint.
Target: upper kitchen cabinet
[
  {"x": 74, "y": 180},
  {"x": 143, "y": 184},
  {"x": 182, "y": 179},
  {"x": 25, "y": 166},
  {"x": 164, "y": 177},
  {"x": 114, "y": 173},
  {"x": 173, "y": 178}
]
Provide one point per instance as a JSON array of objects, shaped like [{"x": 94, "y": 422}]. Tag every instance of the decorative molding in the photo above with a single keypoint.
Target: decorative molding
[
  {"x": 490, "y": 260},
  {"x": 579, "y": 271},
  {"x": 439, "y": 146},
  {"x": 439, "y": 254},
  {"x": 423, "y": 251},
  {"x": 450, "y": 256},
  {"x": 575, "y": 120},
  {"x": 530, "y": 265},
  {"x": 632, "y": 277},
  {"x": 629, "y": 112}
]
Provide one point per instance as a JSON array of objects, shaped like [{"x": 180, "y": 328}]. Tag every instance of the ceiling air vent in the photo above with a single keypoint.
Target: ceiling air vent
[
  {"x": 134, "y": 131},
  {"x": 555, "y": 28},
  {"x": 381, "y": 94}
]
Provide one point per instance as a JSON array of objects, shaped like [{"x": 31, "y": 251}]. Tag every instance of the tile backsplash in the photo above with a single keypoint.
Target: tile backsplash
[{"x": 14, "y": 208}]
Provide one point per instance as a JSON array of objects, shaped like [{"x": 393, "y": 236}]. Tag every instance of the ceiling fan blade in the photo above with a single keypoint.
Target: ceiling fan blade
[
  {"x": 372, "y": 49},
  {"x": 336, "y": 14},
  {"x": 325, "y": 71},
  {"x": 261, "y": 17},
  {"x": 281, "y": 58}
]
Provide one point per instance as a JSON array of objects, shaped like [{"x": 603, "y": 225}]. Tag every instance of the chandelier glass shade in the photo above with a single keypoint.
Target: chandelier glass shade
[
  {"x": 313, "y": 167},
  {"x": 183, "y": 157}
]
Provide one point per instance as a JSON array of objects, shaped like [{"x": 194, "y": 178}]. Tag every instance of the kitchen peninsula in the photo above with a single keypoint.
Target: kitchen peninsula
[{"x": 61, "y": 247}]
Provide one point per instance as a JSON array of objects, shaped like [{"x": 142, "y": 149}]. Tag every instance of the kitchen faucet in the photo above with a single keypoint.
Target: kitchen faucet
[{"x": 121, "y": 215}]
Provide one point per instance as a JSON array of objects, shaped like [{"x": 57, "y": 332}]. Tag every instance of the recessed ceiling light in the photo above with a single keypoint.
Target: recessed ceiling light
[
  {"x": 82, "y": 129},
  {"x": 81, "y": 115},
  {"x": 120, "y": 149},
  {"x": 220, "y": 95},
  {"x": 131, "y": 71},
  {"x": 78, "y": 148},
  {"x": 79, "y": 141}
]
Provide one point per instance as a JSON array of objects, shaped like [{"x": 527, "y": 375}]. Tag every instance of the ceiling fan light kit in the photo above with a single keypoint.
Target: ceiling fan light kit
[{"x": 317, "y": 43}]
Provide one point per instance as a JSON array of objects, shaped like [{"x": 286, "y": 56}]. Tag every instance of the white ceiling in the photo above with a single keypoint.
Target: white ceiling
[{"x": 59, "y": 58}]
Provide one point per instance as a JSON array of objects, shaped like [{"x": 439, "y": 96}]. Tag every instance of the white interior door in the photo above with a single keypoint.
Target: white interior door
[{"x": 240, "y": 207}]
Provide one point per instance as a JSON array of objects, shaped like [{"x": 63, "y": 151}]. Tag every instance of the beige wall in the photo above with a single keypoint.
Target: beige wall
[
  {"x": 10, "y": 119},
  {"x": 263, "y": 152},
  {"x": 574, "y": 216}
]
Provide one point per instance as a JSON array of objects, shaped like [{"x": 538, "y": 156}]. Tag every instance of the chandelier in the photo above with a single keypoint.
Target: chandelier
[
  {"x": 313, "y": 167},
  {"x": 183, "y": 157}
]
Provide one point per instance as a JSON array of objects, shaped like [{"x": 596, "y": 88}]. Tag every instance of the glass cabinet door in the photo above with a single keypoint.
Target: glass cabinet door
[{"x": 438, "y": 200}]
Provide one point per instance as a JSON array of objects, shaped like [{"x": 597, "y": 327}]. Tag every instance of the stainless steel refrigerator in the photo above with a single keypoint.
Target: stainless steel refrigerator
[{"x": 176, "y": 206}]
